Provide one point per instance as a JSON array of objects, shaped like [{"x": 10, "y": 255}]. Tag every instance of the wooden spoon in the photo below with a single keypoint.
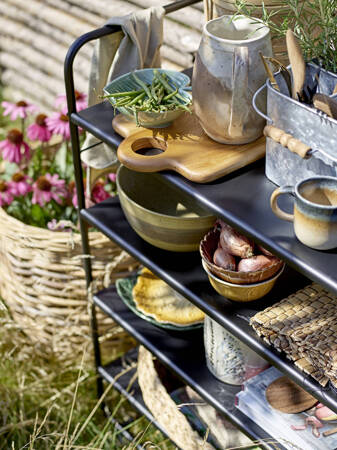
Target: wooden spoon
[
  {"x": 297, "y": 64},
  {"x": 326, "y": 104}
]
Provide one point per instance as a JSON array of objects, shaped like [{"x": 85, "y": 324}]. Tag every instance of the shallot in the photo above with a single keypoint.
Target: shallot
[
  {"x": 224, "y": 259},
  {"x": 254, "y": 263},
  {"x": 234, "y": 243}
]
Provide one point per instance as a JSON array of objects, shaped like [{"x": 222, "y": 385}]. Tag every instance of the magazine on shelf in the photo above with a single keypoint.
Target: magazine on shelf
[{"x": 302, "y": 431}]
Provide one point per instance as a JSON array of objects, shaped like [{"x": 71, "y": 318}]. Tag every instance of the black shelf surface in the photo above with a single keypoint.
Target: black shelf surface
[
  {"x": 242, "y": 199},
  {"x": 183, "y": 271},
  {"x": 182, "y": 352},
  {"x": 133, "y": 394}
]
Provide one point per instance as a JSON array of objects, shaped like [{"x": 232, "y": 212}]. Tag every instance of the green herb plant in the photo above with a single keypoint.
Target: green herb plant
[{"x": 313, "y": 21}]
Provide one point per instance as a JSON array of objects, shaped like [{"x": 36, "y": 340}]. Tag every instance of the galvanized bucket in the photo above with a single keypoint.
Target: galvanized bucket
[{"x": 302, "y": 128}]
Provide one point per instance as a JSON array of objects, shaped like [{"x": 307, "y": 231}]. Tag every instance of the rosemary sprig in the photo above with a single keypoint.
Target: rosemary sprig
[{"x": 313, "y": 21}]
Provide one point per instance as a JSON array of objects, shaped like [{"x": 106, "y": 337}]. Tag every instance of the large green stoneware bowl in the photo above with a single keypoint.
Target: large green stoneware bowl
[
  {"x": 160, "y": 214},
  {"x": 149, "y": 119}
]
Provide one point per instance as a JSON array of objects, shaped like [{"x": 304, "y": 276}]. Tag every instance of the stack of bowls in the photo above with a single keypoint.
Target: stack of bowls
[{"x": 237, "y": 286}]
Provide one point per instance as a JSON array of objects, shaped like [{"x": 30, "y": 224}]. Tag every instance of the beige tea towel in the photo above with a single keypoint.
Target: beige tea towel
[{"x": 137, "y": 46}]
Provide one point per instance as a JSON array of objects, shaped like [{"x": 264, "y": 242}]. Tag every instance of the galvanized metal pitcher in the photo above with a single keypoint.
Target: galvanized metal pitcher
[{"x": 227, "y": 72}]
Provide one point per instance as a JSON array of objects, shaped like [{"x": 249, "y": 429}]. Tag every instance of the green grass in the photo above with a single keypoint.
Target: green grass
[{"x": 47, "y": 404}]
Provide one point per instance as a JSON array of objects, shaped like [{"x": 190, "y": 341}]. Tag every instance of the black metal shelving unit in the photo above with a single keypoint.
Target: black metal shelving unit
[{"x": 242, "y": 199}]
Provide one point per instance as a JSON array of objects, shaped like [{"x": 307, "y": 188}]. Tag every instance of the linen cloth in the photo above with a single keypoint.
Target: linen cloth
[{"x": 137, "y": 46}]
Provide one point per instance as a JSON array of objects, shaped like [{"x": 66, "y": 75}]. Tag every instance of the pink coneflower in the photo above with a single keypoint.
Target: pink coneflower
[
  {"x": 6, "y": 196},
  {"x": 81, "y": 100},
  {"x": 39, "y": 131},
  {"x": 58, "y": 123},
  {"x": 18, "y": 109},
  {"x": 98, "y": 193},
  {"x": 20, "y": 184},
  {"x": 48, "y": 187},
  {"x": 14, "y": 148}
]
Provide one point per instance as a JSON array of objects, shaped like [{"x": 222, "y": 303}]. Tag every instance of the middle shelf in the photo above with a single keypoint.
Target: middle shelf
[{"x": 184, "y": 273}]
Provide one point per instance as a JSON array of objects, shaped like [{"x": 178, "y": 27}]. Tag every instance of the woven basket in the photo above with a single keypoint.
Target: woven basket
[
  {"x": 163, "y": 408},
  {"x": 43, "y": 284},
  {"x": 218, "y": 8}
]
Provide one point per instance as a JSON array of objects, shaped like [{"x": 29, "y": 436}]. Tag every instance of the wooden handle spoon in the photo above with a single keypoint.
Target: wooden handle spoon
[
  {"x": 326, "y": 104},
  {"x": 297, "y": 64}
]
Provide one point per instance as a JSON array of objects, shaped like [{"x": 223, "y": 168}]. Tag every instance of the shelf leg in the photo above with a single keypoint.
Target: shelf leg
[{"x": 86, "y": 250}]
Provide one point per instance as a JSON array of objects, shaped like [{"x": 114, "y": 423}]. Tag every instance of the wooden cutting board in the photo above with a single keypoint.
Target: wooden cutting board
[
  {"x": 285, "y": 395},
  {"x": 185, "y": 148}
]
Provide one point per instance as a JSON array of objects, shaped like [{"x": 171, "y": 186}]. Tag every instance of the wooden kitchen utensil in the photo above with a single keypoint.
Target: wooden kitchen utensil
[
  {"x": 326, "y": 104},
  {"x": 286, "y": 396},
  {"x": 297, "y": 64},
  {"x": 184, "y": 147}
]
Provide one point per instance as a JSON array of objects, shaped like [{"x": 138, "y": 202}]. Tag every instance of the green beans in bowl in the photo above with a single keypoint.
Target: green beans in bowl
[{"x": 153, "y": 98}]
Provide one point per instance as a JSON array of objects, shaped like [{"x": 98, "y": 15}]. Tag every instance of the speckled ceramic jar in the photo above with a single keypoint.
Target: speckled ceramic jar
[
  {"x": 227, "y": 72},
  {"x": 315, "y": 211},
  {"x": 227, "y": 358}
]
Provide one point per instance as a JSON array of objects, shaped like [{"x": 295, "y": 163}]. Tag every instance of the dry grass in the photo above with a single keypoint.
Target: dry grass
[{"x": 46, "y": 404}]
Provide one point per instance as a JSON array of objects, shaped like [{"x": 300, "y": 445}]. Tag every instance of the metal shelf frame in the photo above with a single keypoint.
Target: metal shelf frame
[
  {"x": 222, "y": 197},
  {"x": 75, "y": 145}
]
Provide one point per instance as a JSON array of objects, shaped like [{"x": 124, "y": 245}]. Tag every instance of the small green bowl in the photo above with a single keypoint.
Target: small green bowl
[{"x": 149, "y": 119}]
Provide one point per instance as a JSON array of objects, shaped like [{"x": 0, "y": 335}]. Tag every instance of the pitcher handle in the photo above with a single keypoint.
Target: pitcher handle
[{"x": 239, "y": 92}]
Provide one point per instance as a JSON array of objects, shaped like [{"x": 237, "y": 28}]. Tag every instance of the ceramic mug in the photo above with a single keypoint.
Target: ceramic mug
[{"x": 315, "y": 211}]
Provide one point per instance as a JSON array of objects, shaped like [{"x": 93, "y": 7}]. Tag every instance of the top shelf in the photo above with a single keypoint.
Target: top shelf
[{"x": 241, "y": 199}]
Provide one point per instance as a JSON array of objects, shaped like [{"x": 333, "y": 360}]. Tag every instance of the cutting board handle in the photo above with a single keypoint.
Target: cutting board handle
[{"x": 129, "y": 153}]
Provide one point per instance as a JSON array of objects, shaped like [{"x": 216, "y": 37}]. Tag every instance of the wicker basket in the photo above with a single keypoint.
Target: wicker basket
[
  {"x": 163, "y": 408},
  {"x": 217, "y": 8},
  {"x": 43, "y": 283}
]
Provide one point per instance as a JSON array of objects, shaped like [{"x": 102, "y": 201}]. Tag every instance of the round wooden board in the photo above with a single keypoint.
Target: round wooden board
[{"x": 286, "y": 396}]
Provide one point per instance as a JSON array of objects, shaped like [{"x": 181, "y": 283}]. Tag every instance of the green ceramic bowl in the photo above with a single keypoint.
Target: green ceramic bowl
[
  {"x": 160, "y": 214},
  {"x": 147, "y": 119}
]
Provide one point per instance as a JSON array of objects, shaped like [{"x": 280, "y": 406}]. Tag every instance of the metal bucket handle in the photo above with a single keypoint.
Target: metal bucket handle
[{"x": 260, "y": 113}]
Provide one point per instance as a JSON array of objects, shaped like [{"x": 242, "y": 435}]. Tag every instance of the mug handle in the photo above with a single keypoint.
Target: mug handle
[{"x": 275, "y": 207}]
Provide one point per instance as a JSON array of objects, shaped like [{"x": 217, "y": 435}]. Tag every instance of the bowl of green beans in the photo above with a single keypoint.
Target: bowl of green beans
[{"x": 153, "y": 98}]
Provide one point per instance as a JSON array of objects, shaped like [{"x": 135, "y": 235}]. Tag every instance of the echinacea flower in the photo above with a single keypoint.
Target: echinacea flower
[
  {"x": 18, "y": 109},
  {"x": 80, "y": 97},
  {"x": 6, "y": 196},
  {"x": 14, "y": 148},
  {"x": 58, "y": 123},
  {"x": 39, "y": 131},
  {"x": 48, "y": 187},
  {"x": 98, "y": 193},
  {"x": 20, "y": 184},
  {"x": 112, "y": 177}
]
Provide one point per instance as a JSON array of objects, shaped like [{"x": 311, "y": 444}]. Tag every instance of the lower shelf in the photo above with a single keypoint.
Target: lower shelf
[
  {"x": 183, "y": 353},
  {"x": 133, "y": 394}
]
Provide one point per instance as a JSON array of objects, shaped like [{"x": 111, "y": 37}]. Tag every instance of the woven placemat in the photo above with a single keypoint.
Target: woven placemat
[{"x": 304, "y": 326}]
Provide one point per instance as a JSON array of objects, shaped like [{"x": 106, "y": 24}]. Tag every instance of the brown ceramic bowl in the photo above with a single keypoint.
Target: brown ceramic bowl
[
  {"x": 241, "y": 292},
  {"x": 207, "y": 248}
]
